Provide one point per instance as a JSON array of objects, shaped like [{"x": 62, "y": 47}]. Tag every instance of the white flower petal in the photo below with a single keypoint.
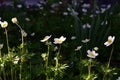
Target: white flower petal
[
  {"x": 96, "y": 54},
  {"x": 78, "y": 48},
  {"x": 86, "y": 40},
  {"x": 88, "y": 51},
  {"x": 59, "y": 40},
  {"x": 110, "y": 37},
  {"x": 45, "y": 38}
]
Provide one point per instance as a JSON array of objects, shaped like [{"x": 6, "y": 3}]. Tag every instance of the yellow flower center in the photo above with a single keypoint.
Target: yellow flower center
[
  {"x": 109, "y": 41},
  {"x": 92, "y": 54},
  {"x": 45, "y": 38},
  {"x": 4, "y": 24},
  {"x": 59, "y": 41}
]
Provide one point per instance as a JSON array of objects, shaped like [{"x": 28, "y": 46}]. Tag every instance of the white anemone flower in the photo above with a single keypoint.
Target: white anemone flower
[
  {"x": 86, "y": 5},
  {"x": 96, "y": 48},
  {"x": 108, "y": 6},
  {"x": 73, "y": 37},
  {"x": 60, "y": 2},
  {"x": 78, "y": 48},
  {"x": 109, "y": 41},
  {"x": 65, "y": 13},
  {"x": 92, "y": 54},
  {"x": 84, "y": 10},
  {"x": 59, "y": 40},
  {"x": 4, "y": 24},
  {"x": 32, "y": 34},
  {"x": 86, "y": 40},
  {"x": 19, "y": 6},
  {"x": 103, "y": 10},
  {"x": 27, "y": 19},
  {"x": 14, "y": 20},
  {"x": 45, "y": 38},
  {"x": 87, "y": 25}
]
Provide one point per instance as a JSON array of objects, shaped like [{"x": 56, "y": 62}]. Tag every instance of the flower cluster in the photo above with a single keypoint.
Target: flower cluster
[{"x": 56, "y": 40}]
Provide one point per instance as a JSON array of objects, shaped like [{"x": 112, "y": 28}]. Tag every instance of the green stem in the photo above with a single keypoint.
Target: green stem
[
  {"x": 20, "y": 75},
  {"x": 4, "y": 74},
  {"x": 7, "y": 40},
  {"x": 47, "y": 55},
  {"x": 19, "y": 26},
  {"x": 9, "y": 51},
  {"x": 110, "y": 58},
  {"x": 58, "y": 57},
  {"x": 47, "y": 62},
  {"x": 86, "y": 47},
  {"x": 22, "y": 37},
  {"x": 57, "y": 62},
  {"x": 108, "y": 64},
  {"x": 30, "y": 71},
  {"x": 11, "y": 72},
  {"x": 1, "y": 59},
  {"x": 80, "y": 63},
  {"x": 89, "y": 69},
  {"x": 80, "y": 54},
  {"x": 0, "y": 54},
  {"x": 15, "y": 76}
]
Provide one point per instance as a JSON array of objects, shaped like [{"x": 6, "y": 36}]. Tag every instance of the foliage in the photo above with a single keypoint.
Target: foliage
[{"x": 84, "y": 54}]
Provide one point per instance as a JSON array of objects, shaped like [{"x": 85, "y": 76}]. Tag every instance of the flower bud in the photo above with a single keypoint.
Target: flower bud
[
  {"x": 4, "y": 24},
  {"x": 14, "y": 20}
]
